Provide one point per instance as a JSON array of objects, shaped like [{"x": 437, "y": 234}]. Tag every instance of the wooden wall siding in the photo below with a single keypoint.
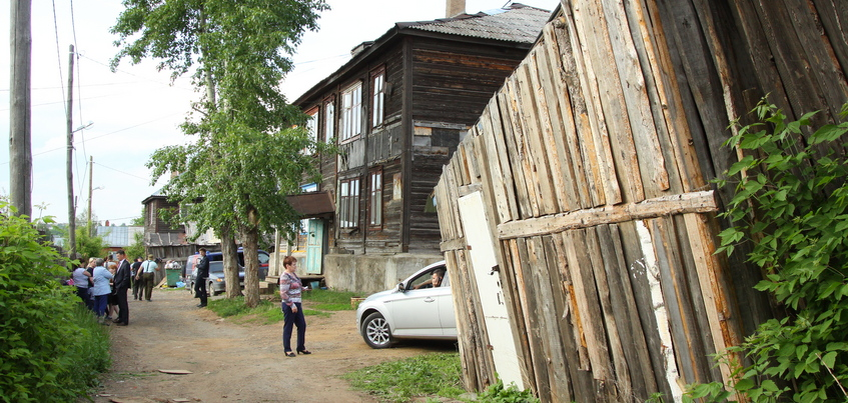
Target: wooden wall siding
[
  {"x": 594, "y": 160},
  {"x": 453, "y": 86},
  {"x": 384, "y": 144},
  {"x": 424, "y": 227},
  {"x": 160, "y": 225}
]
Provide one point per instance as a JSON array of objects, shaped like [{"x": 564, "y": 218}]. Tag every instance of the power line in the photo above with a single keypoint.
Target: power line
[
  {"x": 119, "y": 171},
  {"x": 106, "y": 134}
]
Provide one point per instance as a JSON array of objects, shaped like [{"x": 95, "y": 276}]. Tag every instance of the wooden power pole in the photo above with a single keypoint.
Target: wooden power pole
[
  {"x": 72, "y": 227},
  {"x": 20, "y": 112},
  {"x": 90, "y": 193}
]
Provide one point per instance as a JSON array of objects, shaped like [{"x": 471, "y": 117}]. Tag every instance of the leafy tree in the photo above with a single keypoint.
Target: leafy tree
[
  {"x": 136, "y": 249},
  {"x": 248, "y": 150},
  {"x": 51, "y": 349},
  {"x": 138, "y": 221},
  {"x": 90, "y": 246},
  {"x": 791, "y": 203}
]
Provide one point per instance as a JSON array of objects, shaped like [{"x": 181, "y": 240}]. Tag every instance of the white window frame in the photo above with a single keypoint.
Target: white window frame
[
  {"x": 375, "y": 210},
  {"x": 311, "y": 128},
  {"x": 378, "y": 97},
  {"x": 329, "y": 120},
  {"x": 348, "y": 213},
  {"x": 351, "y": 122}
]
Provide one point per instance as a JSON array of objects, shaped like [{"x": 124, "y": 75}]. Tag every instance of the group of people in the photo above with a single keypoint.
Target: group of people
[{"x": 102, "y": 285}]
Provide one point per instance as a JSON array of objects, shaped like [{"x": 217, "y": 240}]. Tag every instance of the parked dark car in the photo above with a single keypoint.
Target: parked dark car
[{"x": 216, "y": 283}]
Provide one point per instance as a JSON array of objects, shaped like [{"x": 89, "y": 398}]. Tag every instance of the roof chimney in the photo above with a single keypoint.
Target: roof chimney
[{"x": 454, "y": 8}]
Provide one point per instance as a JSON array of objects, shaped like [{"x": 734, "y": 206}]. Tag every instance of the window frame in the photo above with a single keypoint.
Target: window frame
[
  {"x": 375, "y": 198},
  {"x": 311, "y": 125},
  {"x": 378, "y": 96},
  {"x": 350, "y": 124},
  {"x": 329, "y": 115},
  {"x": 349, "y": 196}
]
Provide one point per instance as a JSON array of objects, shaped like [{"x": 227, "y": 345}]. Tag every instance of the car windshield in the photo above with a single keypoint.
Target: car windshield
[{"x": 216, "y": 267}]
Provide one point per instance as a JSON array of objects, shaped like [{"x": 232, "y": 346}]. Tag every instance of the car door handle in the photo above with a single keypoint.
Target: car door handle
[{"x": 429, "y": 299}]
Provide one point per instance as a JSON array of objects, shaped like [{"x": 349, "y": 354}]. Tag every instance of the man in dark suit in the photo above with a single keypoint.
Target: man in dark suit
[
  {"x": 202, "y": 275},
  {"x": 122, "y": 284}
]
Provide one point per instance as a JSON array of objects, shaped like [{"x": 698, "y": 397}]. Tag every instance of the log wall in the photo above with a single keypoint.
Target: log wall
[{"x": 594, "y": 161}]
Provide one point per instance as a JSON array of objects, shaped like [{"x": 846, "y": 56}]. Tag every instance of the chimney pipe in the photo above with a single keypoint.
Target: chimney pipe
[{"x": 454, "y": 8}]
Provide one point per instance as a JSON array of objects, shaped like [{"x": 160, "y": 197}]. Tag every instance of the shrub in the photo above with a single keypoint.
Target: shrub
[
  {"x": 791, "y": 203},
  {"x": 50, "y": 349}
]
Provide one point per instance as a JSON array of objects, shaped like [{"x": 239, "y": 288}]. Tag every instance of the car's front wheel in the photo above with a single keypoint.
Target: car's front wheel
[
  {"x": 376, "y": 331},
  {"x": 211, "y": 290}
]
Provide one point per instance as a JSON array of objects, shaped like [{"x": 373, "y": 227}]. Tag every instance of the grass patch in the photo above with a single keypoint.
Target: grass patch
[
  {"x": 437, "y": 374},
  {"x": 266, "y": 312},
  {"x": 331, "y": 297}
]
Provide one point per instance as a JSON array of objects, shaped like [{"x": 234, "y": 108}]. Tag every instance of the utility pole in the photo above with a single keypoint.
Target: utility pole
[
  {"x": 72, "y": 226},
  {"x": 90, "y": 192},
  {"x": 20, "y": 112}
]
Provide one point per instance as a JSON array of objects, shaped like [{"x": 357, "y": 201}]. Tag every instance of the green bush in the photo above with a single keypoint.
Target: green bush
[
  {"x": 791, "y": 204},
  {"x": 50, "y": 349}
]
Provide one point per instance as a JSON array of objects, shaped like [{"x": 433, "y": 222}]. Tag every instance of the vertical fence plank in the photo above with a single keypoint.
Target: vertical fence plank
[
  {"x": 626, "y": 314},
  {"x": 499, "y": 162}
]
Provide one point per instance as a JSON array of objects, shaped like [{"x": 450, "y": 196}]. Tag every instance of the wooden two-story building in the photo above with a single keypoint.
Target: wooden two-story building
[{"x": 397, "y": 111}]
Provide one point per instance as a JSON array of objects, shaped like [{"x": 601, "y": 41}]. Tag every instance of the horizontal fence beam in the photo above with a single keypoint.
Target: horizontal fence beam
[{"x": 694, "y": 202}]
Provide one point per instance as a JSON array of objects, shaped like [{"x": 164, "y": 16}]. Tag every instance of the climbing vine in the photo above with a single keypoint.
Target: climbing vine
[{"x": 791, "y": 204}]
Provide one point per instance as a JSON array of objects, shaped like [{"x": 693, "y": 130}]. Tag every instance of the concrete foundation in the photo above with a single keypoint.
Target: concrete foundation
[{"x": 372, "y": 273}]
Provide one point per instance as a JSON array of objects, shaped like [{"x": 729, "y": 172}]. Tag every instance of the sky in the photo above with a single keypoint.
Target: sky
[{"x": 137, "y": 109}]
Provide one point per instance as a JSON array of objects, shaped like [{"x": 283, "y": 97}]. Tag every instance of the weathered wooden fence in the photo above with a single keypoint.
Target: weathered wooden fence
[{"x": 593, "y": 162}]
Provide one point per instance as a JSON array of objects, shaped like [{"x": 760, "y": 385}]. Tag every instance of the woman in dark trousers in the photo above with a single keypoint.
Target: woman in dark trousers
[{"x": 290, "y": 292}]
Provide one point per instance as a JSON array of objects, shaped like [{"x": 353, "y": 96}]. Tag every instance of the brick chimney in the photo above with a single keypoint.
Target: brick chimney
[{"x": 454, "y": 8}]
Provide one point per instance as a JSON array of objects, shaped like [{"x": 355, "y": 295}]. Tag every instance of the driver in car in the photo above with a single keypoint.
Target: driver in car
[{"x": 434, "y": 281}]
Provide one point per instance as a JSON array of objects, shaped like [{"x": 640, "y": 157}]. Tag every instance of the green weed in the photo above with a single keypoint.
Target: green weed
[
  {"x": 331, "y": 297},
  {"x": 402, "y": 381}
]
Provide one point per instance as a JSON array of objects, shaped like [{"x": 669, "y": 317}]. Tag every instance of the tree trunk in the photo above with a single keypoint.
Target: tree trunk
[
  {"x": 229, "y": 253},
  {"x": 250, "y": 239}
]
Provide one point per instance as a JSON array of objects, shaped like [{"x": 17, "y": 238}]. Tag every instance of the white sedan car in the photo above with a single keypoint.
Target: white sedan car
[{"x": 420, "y": 307}]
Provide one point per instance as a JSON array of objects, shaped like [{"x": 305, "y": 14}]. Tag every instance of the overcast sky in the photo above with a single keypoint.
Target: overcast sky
[{"x": 136, "y": 109}]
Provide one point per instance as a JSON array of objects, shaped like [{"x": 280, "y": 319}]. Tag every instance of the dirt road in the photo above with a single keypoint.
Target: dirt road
[{"x": 233, "y": 362}]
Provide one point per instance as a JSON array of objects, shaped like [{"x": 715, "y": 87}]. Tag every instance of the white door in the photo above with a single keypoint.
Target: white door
[{"x": 482, "y": 258}]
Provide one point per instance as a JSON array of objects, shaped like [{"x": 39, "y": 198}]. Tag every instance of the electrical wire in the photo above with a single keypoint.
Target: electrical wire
[{"x": 125, "y": 173}]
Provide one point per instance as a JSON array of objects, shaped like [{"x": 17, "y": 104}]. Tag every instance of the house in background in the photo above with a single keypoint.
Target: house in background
[
  {"x": 397, "y": 111},
  {"x": 166, "y": 242},
  {"x": 117, "y": 238}
]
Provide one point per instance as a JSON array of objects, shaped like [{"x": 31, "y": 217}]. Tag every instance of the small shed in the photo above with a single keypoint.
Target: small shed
[{"x": 578, "y": 218}]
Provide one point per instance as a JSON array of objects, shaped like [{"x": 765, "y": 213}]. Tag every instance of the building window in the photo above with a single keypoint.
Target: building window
[
  {"x": 378, "y": 96},
  {"x": 348, "y": 213},
  {"x": 375, "y": 207},
  {"x": 312, "y": 128},
  {"x": 351, "y": 123},
  {"x": 329, "y": 121}
]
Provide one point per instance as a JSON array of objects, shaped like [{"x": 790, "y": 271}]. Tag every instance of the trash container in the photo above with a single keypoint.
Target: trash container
[{"x": 173, "y": 276}]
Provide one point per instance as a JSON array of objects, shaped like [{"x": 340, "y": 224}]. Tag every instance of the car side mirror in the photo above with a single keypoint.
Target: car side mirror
[{"x": 400, "y": 287}]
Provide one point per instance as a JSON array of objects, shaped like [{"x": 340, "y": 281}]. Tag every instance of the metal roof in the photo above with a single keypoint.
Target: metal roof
[
  {"x": 118, "y": 236},
  {"x": 516, "y": 23}
]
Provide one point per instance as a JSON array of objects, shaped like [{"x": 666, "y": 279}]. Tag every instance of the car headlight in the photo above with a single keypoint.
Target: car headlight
[{"x": 219, "y": 280}]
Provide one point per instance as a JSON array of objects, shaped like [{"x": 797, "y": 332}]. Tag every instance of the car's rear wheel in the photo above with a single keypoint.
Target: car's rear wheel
[{"x": 376, "y": 331}]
